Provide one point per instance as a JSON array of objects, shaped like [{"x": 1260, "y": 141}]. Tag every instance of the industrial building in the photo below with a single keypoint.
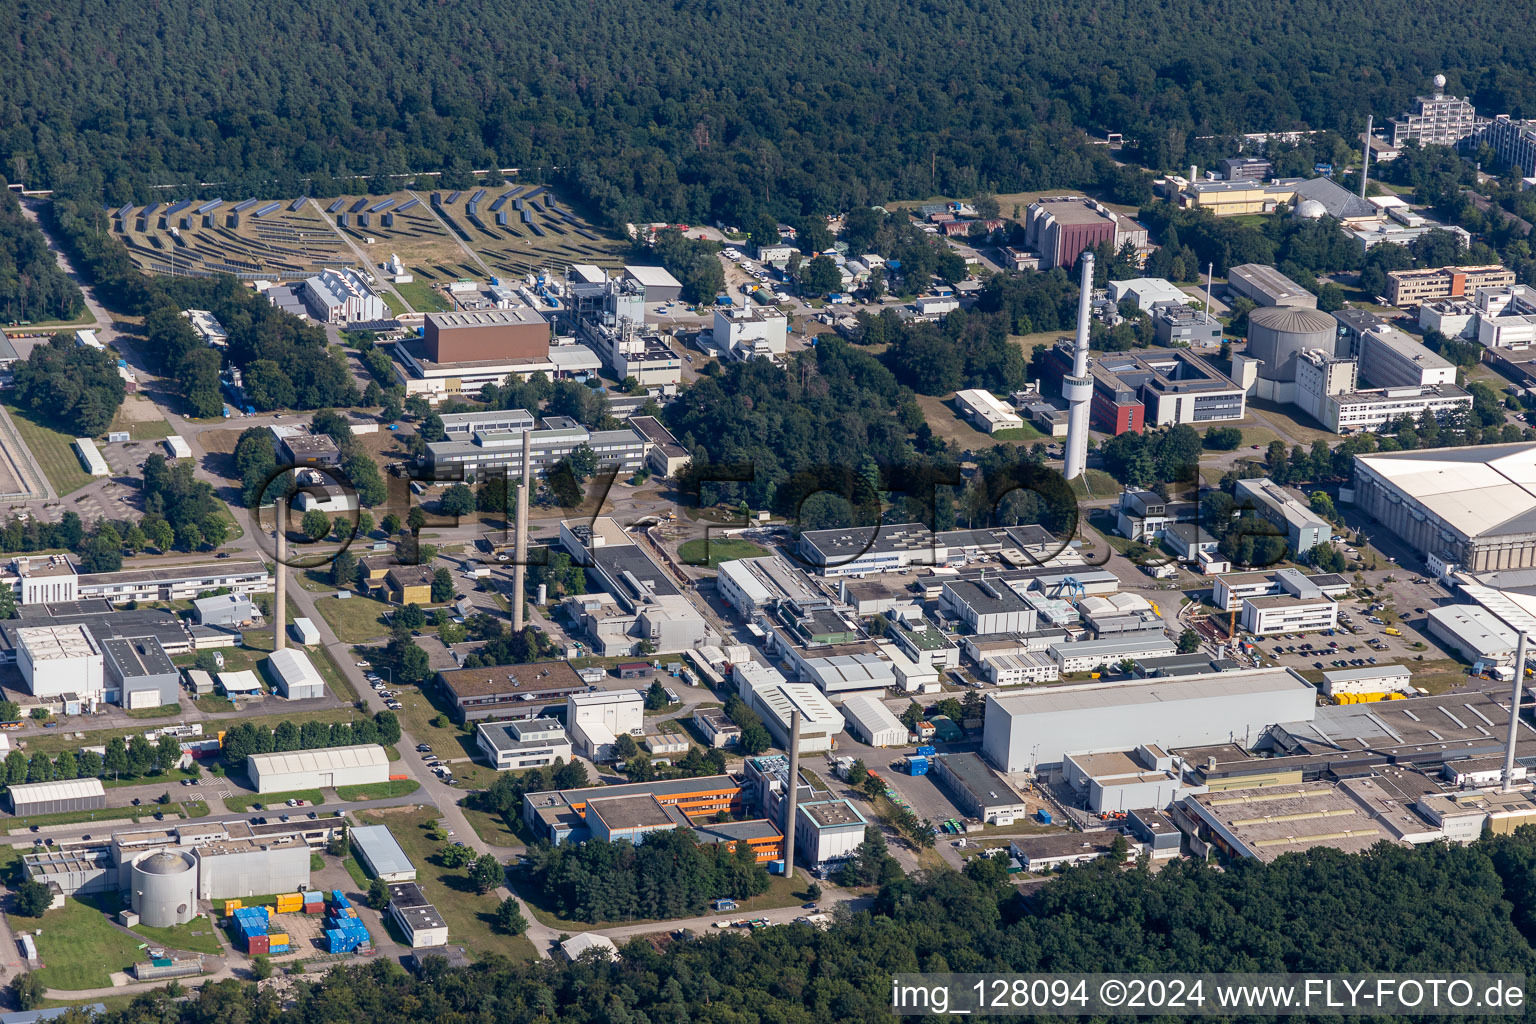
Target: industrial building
[
  {"x": 717, "y": 729},
  {"x": 1372, "y": 681},
  {"x": 1039, "y": 854},
  {"x": 1245, "y": 168},
  {"x": 978, "y": 790},
  {"x": 175, "y": 582},
  {"x": 31, "y": 798},
  {"x": 987, "y": 606},
  {"x": 1262, "y": 824},
  {"x": 1179, "y": 324},
  {"x": 664, "y": 457},
  {"x": 509, "y": 691},
  {"x": 1389, "y": 358},
  {"x": 660, "y": 287},
  {"x": 1286, "y": 510},
  {"x": 751, "y": 332},
  {"x": 873, "y": 723},
  {"x": 1283, "y": 613},
  {"x": 293, "y": 675},
  {"x": 751, "y": 584},
  {"x": 139, "y": 674},
  {"x": 1474, "y": 633},
  {"x": 489, "y": 449},
  {"x": 1089, "y": 655},
  {"x": 892, "y": 547},
  {"x": 380, "y": 854},
  {"x": 985, "y": 412},
  {"x": 1152, "y": 387},
  {"x": 1413, "y": 287},
  {"x": 1472, "y": 508},
  {"x": 820, "y": 722},
  {"x": 324, "y": 768},
  {"x": 1060, "y": 228},
  {"x": 418, "y": 919},
  {"x": 596, "y": 719},
  {"x": 1148, "y": 292},
  {"x": 523, "y": 743},
  {"x": 1123, "y": 780},
  {"x": 827, "y": 831},
  {"x": 1117, "y": 616},
  {"x": 632, "y": 600},
  {"x": 1039, "y": 727},
  {"x": 1505, "y": 318},
  {"x": 489, "y": 334},
  {"x": 1266, "y": 286},
  {"x": 60, "y": 659},
  {"x": 223, "y": 610}
]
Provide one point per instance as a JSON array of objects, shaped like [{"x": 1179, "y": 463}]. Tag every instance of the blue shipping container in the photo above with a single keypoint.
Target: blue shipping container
[
  {"x": 927, "y": 751},
  {"x": 1044, "y": 816}
]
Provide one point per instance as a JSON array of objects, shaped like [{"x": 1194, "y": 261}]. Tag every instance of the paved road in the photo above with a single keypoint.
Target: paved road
[{"x": 782, "y": 915}]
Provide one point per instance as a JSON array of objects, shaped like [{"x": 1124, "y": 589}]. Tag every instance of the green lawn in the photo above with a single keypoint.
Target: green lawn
[
  {"x": 243, "y": 801},
  {"x": 80, "y": 946},
  {"x": 154, "y": 430},
  {"x": 491, "y": 828},
  {"x": 378, "y": 790},
  {"x": 467, "y": 913},
  {"x": 1099, "y": 485},
  {"x": 421, "y": 297},
  {"x": 354, "y": 620},
  {"x": 54, "y": 452},
  {"x": 340, "y": 686},
  {"x": 1024, "y": 433},
  {"x": 717, "y": 550},
  {"x": 163, "y": 711},
  {"x": 356, "y": 871},
  {"x": 396, "y": 307},
  {"x": 196, "y": 936}
]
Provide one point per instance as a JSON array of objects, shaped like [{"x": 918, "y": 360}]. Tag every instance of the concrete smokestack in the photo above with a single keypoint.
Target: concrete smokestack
[
  {"x": 520, "y": 537},
  {"x": 1514, "y": 712},
  {"x": 1365, "y": 167},
  {"x": 1078, "y": 388},
  {"x": 280, "y": 598},
  {"x": 794, "y": 794}
]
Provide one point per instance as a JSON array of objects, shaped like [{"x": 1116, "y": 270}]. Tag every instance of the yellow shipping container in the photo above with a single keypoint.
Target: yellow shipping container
[
  {"x": 230, "y": 906},
  {"x": 278, "y": 939},
  {"x": 289, "y": 902}
]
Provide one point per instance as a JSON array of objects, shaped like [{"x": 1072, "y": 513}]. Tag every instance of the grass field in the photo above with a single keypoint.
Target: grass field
[
  {"x": 354, "y": 620},
  {"x": 467, "y": 913},
  {"x": 144, "y": 812},
  {"x": 81, "y": 947},
  {"x": 196, "y": 936},
  {"x": 154, "y": 430},
  {"x": 378, "y": 790},
  {"x": 356, "y": 872},
  {"x": 1095, "y": 483},
  {"x": 422, "y": 298},
  {"x": 54, "y": 452},
  {"x": 492, "y": 829},
  {"x": 715, "y": 550},
  {"x": 1024, "y": 433}
]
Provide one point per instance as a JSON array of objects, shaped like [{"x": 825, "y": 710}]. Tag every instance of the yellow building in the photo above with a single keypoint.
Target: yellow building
[
  {"x": 1232, "y": 198},
  {"x": 409, "y": 584}
]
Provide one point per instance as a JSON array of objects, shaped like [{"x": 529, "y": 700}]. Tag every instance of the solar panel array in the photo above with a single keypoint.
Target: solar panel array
[
  {"x": 209, "y": 206},
  {"x": 382, "y": 206},
  {"x": 177, "y": 207},
  {"x": 338, "y": 204},
  {"x": 297, "y": 204},
  {"x": 358, "y": 207},
  {"x": 242, "y": 207},
  {"x": 408, "y": 204},
  {"x": 269, "y": 208}
]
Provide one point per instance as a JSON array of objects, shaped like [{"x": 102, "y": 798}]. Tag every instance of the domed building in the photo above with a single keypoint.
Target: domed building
[{"x": 1310, "y": 209}]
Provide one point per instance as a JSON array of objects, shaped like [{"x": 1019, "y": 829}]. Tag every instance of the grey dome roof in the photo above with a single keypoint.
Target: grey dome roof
[
  {"x": 163, "y": 863},
  {"x": 1292, "y": 319},
  {"x": 1311, "y": 209}
]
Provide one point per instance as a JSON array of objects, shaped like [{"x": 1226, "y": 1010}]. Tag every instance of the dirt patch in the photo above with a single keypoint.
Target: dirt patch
[
  {"x": 219, "y": 442},
  {"x": 138, "y": 409}
]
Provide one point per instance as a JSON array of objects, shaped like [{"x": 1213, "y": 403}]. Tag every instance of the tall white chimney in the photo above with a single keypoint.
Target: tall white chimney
[
  {"x": 1514, "y": 712},
  {"x": 1365, "y": 167},
  {"x": 520, "y": 537},
  {"x": 280, "y": 597},
  {"x": 1078, "y": 388}
]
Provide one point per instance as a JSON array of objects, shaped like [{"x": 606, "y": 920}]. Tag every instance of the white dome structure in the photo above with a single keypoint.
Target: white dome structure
[
  {"x": 1311, "y": 209},
  {"x": 1439, "y": 83}
]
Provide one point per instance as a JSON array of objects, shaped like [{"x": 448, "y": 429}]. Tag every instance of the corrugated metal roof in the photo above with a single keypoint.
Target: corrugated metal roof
[
  {"x": 379, "y": 845},
  {"x": 323, "y": 760},
  {"x": 68, "y": 789}
]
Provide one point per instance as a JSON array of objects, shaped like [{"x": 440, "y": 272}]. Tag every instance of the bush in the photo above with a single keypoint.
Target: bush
[{"x": 1223, "y": 439}]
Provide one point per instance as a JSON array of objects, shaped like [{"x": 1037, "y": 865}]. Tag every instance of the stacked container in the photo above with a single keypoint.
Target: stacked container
[
  {"x": 290, "y": 902},
  {"x": 927, "y": 751},
  {"x": 251, "y": 929},
  {"x": 278, "y": 942},
  {"x": 314, "y": 903},
  {"x": 917, "y": 766},
  {"x": 344, "y": 933}
]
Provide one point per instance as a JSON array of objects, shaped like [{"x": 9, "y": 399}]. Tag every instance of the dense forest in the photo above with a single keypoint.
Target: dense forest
[
  {"x": 1386, "y": 910},
  {"x": 74, "y": 387},
  {"x": 697, "y": 110},
  {"x": 32, "y": 287}
]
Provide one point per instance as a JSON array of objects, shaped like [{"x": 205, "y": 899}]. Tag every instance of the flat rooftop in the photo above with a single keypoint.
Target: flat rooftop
[
  {"x": 517, "y": 316},
  {"x": 627, "y": 812},
  {"x": 1126, "y": 693},
  {"x": 985, "y": 786},
  {"x": 139, "y": 658},
  {"x": 1482, "y": 491},
  {"x": 534, "y": 676},
  {"x": 832, "y": 813}
]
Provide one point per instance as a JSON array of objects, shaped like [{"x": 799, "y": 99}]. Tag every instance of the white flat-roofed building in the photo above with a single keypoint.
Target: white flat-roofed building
[
  {"x": 594, "y": 720},
  {"x": 1389, "y": 358},
  {"x": 1266, "y": 286},
  {"x": 819, "y": 720},
  {"x": 987, "y": 606},
  {"x": 381, "y": 853},
  {"x": 418, "y": 919},
  {"x": 325, "y": 768},
  {"x": 294, "y": 675},
  {"x": 1471, "y": 507},
  {"x": 749, "y": 675},
  {"x": 1229, "y": 590},
  {"x": 1285, "y": 614},
  {"x": 1473, "y": 632},
  {"x": 239, "y": 684},
  {"x": 46, "y": 579},
  {"x": 978, "y": 790},
  {"x": 1036, "y": 727},
  {"x": 176, "y": 582},
  {"x": 1370, "y": 680},
  {"x": 717, "y": 729},
  {"x": 1019, "y": 668},
  {"x": 523, "y": 743},
  {"x": 1125, "y": 780},
  {"x": 748, "y": 584},
  {"x": 176, "y": 447},
  {"x": 660, "y": 287},
  {"x": 986, "y": 412},
  {"x": 751, "y": 332},
  {"x": 56, "y": 660},
  {"x": 208, "y": 328},
  {"x": 1087, "y": 655},
  {"x": 90, "y": 457},
  {"x": 1373, "y": 408},
  {"x": 1147, "y": 292},
  {"x": 873, "y": 723}
]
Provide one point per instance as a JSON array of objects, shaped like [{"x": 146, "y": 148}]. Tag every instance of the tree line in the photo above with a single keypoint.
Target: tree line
[
  {"x": 32, "y": 285},
  {"x": 246, "y": 738}
]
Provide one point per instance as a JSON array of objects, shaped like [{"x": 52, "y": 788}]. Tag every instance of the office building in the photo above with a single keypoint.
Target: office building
[
  {"x": 1060, "y": 228},
  {"x": 1471, "y": 507},
  {"x": 1245, "y": 168},
  {"x": 985, "y": 412},
  {"x": 523, "y": 743},
  {"x": 1286, "y": 509},
  {"x": 418, "y": 920},
  {"x": 978, "y": 790},
  {"x": 1152, "y": 387},
  {"x": 1230, "y": 590},
  {"x": 596, "y": 719},
  {"x": 751, "y": 332},
  {"x": 381, "y": 854},
  {"x": 1506, "y": 318},
  {"x": 1093, "y": 655},
  {"x": 1514, "y": 142},
  {"x": 1374, "y": 408},
  {"x": 138, "y": 674},
  {"x": 508, "y": 691},
  {"x": 1436, "y": 120},
  {"x": 1143, "y": 515},
  {"x": 1238, "y": 197},
  {"x": 1039, "y": 727},
  {"x": 1264, "y": 616},
  {"x": 175, "y": 582},
  {"x": 1413, "y": 287},
  {"x": 1266, "y": 286},
  {"x": 324, "y": 768}
]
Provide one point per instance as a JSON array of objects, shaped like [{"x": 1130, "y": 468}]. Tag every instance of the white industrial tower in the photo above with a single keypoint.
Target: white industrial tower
[{"x": 1078, "y": 388}]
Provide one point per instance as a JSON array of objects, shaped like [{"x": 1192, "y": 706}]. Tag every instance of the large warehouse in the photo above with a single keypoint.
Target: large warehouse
[
  {"x": 57, "y": 797},
  {"x": 294, "y": 675},
  {"x": 1473, "y": 508},
  {"x": 381, "y": 853},
  {"x": 872, "y": 722},
  {"x": 1038, "y": 727},
  {"x": 319, "y": 769}
]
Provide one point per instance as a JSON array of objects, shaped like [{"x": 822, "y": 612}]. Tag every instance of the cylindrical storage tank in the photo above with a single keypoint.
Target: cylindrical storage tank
[
  {"x": 163, "y": 888},
  {"x": 1276, "y": 334}
]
